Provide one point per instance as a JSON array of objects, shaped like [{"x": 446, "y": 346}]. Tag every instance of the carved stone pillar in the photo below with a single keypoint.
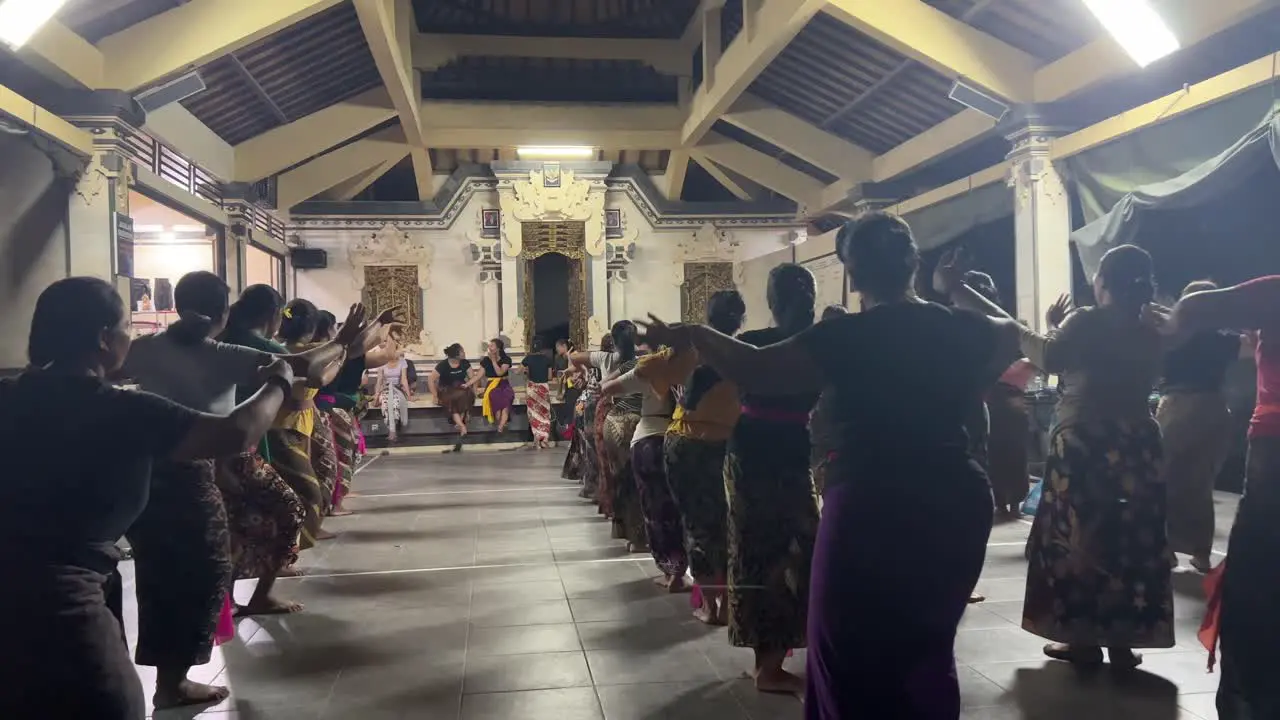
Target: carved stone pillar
[
  {"x": 487, "y": 257},
  {"x": 99, "y": 227},
  {"x": 617, "y": 260},
  {"x": 1042, "y": 221}
]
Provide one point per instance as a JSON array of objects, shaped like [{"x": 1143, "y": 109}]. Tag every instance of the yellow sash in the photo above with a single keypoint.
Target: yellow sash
[{"x": 485, "y": 404}]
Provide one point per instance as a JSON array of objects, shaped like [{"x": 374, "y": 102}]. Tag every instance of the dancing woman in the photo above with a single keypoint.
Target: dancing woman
[
  {"x": 663, "y": 526},
  {"x": 585, "y": 425},
  {"x": 453, "y": 390},
  {"x": 694, "y": 450},
  {"x": 537, "y": 393},
  {"x": 1099, "y": 574},
  {"x": 773, "y": 513},
  {"x": 1249, "y": 588},
  {"x": 903, "y": 375},
  {"x": 617, "y": 424},
  {"x": 62, "y": 642},
  {"x": 498, "y": 394},
  {"x": 1196, "y": 426},
  {"x": 825, "y": 436}
]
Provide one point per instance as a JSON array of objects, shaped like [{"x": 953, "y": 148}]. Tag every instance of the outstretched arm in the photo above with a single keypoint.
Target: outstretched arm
[
  {"x": 1252, "y": 305},
  {"x": 784, "y": 368}
]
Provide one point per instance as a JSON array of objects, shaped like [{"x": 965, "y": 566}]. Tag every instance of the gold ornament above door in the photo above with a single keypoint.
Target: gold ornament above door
[{"x": 567, "y": 239}]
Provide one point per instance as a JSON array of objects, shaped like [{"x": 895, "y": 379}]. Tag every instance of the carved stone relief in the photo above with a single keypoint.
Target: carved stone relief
[
  {"x": 532, "y": 200},
  {"x": 393, "y": 247}
]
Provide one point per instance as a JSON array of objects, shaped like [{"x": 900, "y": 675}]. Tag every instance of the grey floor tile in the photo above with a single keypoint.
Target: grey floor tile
[
  {"x": 560, "y": 704},
  {"x": 522, "y": 640},
  {"x": 631, "y": 667},
  {"x": 534, "y": 612},
  {"x": 642, "y": 636},
  {"x": 507, "y": 673},
  {"x": 516, "y": 593},
  {"x": 671, "y": 701}
]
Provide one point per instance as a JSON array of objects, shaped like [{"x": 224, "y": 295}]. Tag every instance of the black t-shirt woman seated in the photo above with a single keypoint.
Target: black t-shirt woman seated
[{"x": 80, "y": 454}]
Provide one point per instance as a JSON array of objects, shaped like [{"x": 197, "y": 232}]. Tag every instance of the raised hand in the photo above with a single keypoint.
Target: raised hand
[
  {"x": 279, "y": 367},
  {"x": 388, "y": 316},
  {"x": 948, "y": 274},
  {"x": 1058, "y": 311},
  {"x": 1160, "y": 318},
  {"x": 353, "y": 325},
  {"x": 656, "y": 333}
]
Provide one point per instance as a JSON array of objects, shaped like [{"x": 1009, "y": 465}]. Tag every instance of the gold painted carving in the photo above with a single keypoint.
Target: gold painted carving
[
  {"x": 388, "y": 286},
  {"x": 563, "y": 238},
  {"x": 701, "y": 281},
  {"x": 391, "y": 248},
  {"x": 525, "y": 200}
]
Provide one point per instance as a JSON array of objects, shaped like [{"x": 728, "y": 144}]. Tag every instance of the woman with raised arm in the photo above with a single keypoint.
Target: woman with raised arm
[
  {"x": 903, "y": 374},
  {"x": 1099, "y": 574},
  {"x": 586, "y": 427},
  {"x": 1197, "y": 429},
  {"x": 1249, "y": 590},
  {"x": 392, "y": 391},
  {"x": 62, "y": 644},
  {"x": 498, "y": 393},
  {"x": 617, "y": 417},
  {"x": 537, "y": 392},
  {"x": 693, "y": 454},
  {"x": 824, "y": 437}
]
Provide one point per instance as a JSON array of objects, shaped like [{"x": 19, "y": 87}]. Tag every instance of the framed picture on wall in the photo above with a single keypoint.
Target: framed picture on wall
[
  {"x": 551, "y": 174},
  {"x": 490, "y": 223},
  {"x": 613, "y": 223}
]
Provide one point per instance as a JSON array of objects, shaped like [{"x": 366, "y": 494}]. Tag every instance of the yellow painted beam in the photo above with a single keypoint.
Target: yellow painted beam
[
  {"x": 331, "y": 169},
  {"x": 433, "y": 50},
  {"x": 814, "y": 145},
  {"x": 767, "y": 171},
  {"x": 63, "y": 56},
  {"x": 44, "y": 122},
  {"x": 946, "y": 44},
  {"x": 728, "y": 182},
  {"x": 778, "y": 22},
  {"x": 938, "y": 140},
  {"x": 466, "y": 124},
  {"x": 673, "y": 178},
  {"x": 993, "y": 174},
  {"x": 388, "y": 27},
  {"x": 1192, "y": 22},
  {"x": 350, "y": 188},
  {"x": 195, "y": 33},
  {"x": 1216, "y": 89},
  {"x": 288, "y": 145}
]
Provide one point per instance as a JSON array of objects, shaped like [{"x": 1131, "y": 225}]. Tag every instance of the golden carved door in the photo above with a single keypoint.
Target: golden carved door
[
  {"x": 562, "y": 238},
  {"x": 389, "y": 286},
  {"x": 701, "y": 281}
]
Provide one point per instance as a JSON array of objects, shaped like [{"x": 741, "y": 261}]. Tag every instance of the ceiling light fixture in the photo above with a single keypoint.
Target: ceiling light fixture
[
  {"x": 1136, "y": 27},
  {"x": 20, "y": 19},
  {"x": 567, "y": 152}
]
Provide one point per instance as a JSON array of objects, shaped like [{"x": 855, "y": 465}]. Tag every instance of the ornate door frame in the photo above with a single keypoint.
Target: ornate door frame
[
  {"x": 562, "y": 238},
  {"x": 701, "y": 281}
]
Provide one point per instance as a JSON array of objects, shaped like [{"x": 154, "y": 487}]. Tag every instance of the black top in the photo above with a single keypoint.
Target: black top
[
  {"x": 349, "y": 378},
  {"x": 69, "y": 508},
  {"x": 537, "y": 367},
  {"x": 450, "y": 375},
  {"x": 783, "y": 403},
  {"x": 490, "y": 370},
  {"x": 1201, "y": 363},
  {"x": 902, "y": 378}
]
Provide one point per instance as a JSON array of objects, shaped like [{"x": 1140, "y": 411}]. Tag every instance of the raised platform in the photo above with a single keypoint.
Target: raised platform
[{"x": 429, "y": 425}]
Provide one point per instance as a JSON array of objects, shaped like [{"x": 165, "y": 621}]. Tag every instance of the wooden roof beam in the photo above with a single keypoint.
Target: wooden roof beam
[
  {"x": 672, "y": 185},
  {"x": 285, "y": 146},
  {"x": 807, "y": 142},
  {"x": 64, "y": 57},
  {"x": 194, "y": 33},
  {"x": 946, "y": 44},
  {"x": 388, "y": 27},
  {"x": 767, "y": 171},
  {"x": 334, "y": 168},
  {"x": 776, "y": 23},
  {"x": 44, "y": 122},
  {"x": 348, "y": 189},
  {"x": 431, "y": 51},
  {"x": 735, "y": 185},
  {"x": 472, "y": 124}
]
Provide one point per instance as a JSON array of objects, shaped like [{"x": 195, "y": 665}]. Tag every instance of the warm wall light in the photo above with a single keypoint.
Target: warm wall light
[
  {"x": 1137, "y": 27},
  {"x": 20, "y": 19},
  {"x": 573, "y": 152}
]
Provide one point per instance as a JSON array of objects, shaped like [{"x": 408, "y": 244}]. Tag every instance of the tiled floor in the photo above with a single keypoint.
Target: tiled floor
[{"x": 479, "y": 587}]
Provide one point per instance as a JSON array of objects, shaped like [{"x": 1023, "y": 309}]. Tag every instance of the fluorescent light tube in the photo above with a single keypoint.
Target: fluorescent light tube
[
  {"x": 551, "y": 153},
  {"x": 1136, "y": 27},
  {"x": 20, "y": 19}
]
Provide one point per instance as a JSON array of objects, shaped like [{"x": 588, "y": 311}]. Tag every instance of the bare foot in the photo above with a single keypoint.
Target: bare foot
[
  {"x": 976, "y": 598},
  {"x": 340, "y": 512},
  {"x": 637, "y": 547},
  {"x": 325, "y": 535},
  {"x": 1202, "y": 564},
  {"x": 1124, "y": 659},
  {"x": 189, "y": 693},
  {"x": 779, "y": 681},
  {"x": 678, "y": 585},
  {"x": 291, "y": 571},
  {"x": 270, "y": 606}
]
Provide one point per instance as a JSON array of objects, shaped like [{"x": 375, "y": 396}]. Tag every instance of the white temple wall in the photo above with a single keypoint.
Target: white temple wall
[{"x": 754, "y": 286}]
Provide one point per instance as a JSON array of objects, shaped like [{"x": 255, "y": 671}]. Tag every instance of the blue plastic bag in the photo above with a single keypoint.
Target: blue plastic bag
[{"x": 1032, "y": 503}]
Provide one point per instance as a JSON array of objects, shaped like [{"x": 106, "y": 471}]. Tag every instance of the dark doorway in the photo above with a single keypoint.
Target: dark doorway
[{"x": 551, "y": 278}]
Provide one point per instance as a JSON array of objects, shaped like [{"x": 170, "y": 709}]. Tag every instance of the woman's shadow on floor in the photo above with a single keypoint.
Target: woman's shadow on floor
[{"x": 1060, "y": 691}]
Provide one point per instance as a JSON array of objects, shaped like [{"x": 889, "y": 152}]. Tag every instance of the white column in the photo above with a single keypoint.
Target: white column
[
  {"x": 90, "y": 220},
  {"x": 1042, "y": 221},
  {"x": 490, "y": 303},
  {"x": 512, "y": 323},
  {"x": 617, "y": 296}
]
